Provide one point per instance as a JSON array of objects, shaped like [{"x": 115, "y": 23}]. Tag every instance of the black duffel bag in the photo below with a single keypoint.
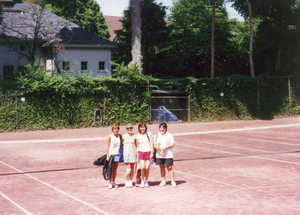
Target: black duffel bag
[
  {"x": 107, "y": 168},
  {"x": 100, "y": 161}
]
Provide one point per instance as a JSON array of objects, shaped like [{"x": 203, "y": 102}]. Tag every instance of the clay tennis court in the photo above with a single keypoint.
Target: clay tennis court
[{"x": 237, "y": 167}]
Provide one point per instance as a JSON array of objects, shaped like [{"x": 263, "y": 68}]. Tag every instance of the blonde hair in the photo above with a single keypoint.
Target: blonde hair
[{"x": 128, "y": 125}]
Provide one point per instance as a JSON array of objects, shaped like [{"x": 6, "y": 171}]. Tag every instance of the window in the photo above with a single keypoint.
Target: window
[
  {"x": 101, "y": 65},
  {"x": 8, "y": 71},
  {"x": 66, "y": 65},
  {"x": 84, "y": 65}
]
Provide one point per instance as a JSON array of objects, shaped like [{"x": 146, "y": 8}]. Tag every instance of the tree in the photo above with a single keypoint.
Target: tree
[
  {"x": 85, "y": 13},
  {"x": 136, "y": 27},
  {"x": 190, "y": 46},
  {"x": 277, "y": 39},
  {"x": 240, "y": 43},
  {"x": 155, "y": 37}
]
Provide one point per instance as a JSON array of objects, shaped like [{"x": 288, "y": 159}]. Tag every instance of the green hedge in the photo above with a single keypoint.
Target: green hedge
[{"x": 70, "y": 102}]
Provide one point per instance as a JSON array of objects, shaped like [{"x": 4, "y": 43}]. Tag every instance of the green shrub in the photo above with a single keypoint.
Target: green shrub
[{"x": 70, "y": 102}]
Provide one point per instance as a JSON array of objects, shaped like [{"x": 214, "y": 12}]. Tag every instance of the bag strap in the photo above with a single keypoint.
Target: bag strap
[
  {"x": 148, "y": 137},
  {"x": 121, "y": 143}
]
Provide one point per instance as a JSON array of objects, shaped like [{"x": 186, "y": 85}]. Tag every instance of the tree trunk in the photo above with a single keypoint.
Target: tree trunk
[
  {"x": 136, "y": 27},
  {"x": 251, "y": 40}
]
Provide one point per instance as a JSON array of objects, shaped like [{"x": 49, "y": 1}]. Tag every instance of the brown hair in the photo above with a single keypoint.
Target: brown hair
[
  {"x": 115, "y": 126},
  {"x": 163, "y": 124},
  {"x": 141, "y": 125}
]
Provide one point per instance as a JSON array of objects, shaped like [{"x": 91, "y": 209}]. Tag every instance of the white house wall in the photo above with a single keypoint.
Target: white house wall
[
  {"x": 76, "y": 55},
  {"x": 12, "y": 58}
]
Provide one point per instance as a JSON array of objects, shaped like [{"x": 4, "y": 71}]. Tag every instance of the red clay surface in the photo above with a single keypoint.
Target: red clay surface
[{"x": 236, "y": 167}]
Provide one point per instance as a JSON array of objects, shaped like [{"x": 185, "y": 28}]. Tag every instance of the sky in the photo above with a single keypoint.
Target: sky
[{"x": 116, "y": 7}]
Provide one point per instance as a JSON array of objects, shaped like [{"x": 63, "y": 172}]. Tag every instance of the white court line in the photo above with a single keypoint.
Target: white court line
[
  {"x": 239, "y": 187},
  {"x": 258, "y": 140},
  {"x": 219, "y": 182},
  {"x": 255, "y": 156},
  {"x": 25, "y": 211},
  {"x": 53, "y": 140},
  {"x": 83, "y": 202},
  {"x": 236, "y": 147},
  {"x": 264, "y": 136},
  {"x": 226, "y": 152},
  {"x": 270, "y": 141},
  {"x": 179, "y": 134},
  {"x": 234, "y": 130}
]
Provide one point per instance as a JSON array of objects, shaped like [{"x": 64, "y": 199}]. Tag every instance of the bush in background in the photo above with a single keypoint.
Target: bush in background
[{"x": 70, "y": 102}]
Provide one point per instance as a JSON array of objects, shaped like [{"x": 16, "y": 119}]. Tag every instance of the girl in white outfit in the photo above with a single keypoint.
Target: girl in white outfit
[
  {"x": 145, "y": 152},
  {"x": 129, "y": 154},
  {"x": 113, "y": 146},
  {"x": 164, "y": 143}
]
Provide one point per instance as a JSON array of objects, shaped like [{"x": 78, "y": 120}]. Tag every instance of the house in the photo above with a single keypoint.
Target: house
[
  {"x": 31, "y": 32},
  {"x": 114, "y": 23}
]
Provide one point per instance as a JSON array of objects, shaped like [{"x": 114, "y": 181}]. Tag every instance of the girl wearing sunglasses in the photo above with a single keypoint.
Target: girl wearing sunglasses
[{"x": 129, "y": 154}]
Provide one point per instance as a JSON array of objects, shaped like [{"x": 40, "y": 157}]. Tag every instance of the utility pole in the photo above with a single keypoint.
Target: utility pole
[{"x": 213, "y": 41}]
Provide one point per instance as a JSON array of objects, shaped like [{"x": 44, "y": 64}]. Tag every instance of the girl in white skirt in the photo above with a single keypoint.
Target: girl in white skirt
[{"x": 129, "y": 154}]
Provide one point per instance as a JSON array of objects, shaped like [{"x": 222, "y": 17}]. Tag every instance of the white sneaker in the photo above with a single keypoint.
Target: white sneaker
[
  {"x": 146, "y": 184},
  {"x": 162, "y": 183},
  {"x": 127, "y": 184},
  {"x": 142, "y": 184},
  {"x": 114, "y": 184},
  {"x": 173, "y": 183},
  {"x": 110, "y": 186},
  {"x": 130, "y": 184}
]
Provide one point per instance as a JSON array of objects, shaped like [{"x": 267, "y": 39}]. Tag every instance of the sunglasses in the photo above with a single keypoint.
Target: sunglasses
[{"x": 129, "y": 128}]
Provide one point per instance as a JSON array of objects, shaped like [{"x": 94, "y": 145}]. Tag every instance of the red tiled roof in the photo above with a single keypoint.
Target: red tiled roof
[{"x": 113, "y": 23}]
